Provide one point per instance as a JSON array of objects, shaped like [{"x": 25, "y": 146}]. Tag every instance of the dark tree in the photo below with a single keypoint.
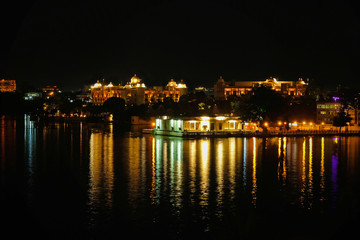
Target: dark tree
[
  {"x": 260, "y": 105},
  {"x": 115, "y": 106},
  {"x": 341, "y": 119}
]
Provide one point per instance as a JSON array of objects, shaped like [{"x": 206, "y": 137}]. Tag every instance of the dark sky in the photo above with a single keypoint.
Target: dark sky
[{"x": 72, "y": 43}]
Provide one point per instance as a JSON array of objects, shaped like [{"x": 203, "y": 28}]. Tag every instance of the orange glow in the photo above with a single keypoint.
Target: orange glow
[
  {"x": 153, "y": 124},
  {"x": 280, "y": 123},
  {"x": 266, "y": 124}
]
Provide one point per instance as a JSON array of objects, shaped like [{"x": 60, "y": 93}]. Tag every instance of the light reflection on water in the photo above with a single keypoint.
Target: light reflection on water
[{"x": 148, "y": 179}]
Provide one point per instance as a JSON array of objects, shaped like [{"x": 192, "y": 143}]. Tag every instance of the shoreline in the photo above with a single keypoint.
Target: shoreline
[{"x": 252, "y": 134}]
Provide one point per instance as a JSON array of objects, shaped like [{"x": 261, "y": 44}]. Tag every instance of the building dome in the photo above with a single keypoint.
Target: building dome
[
  {"x": 135, "y": 79},
  {"x": 300, "y": 81},
  {"x": 172, "y": 83}
]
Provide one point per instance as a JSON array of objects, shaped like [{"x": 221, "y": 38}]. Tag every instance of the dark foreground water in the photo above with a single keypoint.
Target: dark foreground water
[{"x": 78, "y": 181}]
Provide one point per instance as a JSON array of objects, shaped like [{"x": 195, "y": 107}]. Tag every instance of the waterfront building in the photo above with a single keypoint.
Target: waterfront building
[
  {"x": 325, "y": 112},
  {"x": 135, "y": 92},
  {"x": 190, "y": 126},
  {"x": 355, "y": 116},
  {"x": 7, "y": 85},
  {"x": 223, "y": 89}
]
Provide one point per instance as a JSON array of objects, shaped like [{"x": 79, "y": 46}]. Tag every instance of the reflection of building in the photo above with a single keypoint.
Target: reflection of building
[
  {"x": 198, "y": 125},
  {"x": 7, "y": 85},
  {"x": 222, "y": 89},
  {"x": 135, "y": 92},
  {"x": 326, "y": 111}
]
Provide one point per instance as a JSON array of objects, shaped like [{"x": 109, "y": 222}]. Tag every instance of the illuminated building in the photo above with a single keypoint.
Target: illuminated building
[
  {"x": 222, "y": 89},
  {"x": 50, "y": 91},
  {"x": 32, "y": 95},
  {"x": 204, "y": 125},
  {"x": 355, "y": 116},
  {"x": 7, "y": 85},
  {"x": 132, "y": 92},
  {"x": 172, "y": 90},
  {"x": 135, "y": 92},
  {"x": 325, "y": 111}
]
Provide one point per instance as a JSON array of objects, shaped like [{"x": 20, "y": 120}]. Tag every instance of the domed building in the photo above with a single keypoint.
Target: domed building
[
  {"x": 172, "y": 90},
  {"x": 135, "y": 92},
  {"x": 223, "y": 89}
]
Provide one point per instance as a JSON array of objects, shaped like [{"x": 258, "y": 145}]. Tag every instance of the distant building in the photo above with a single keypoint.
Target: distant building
[
  {"x": 135, "y": 92},
  {"x": 355, "y": 116},
  {"x": 50, "y": 91},
  {"x": 7, "y": 85},
  {"x": 207, "y": 91},
  {"x": 325, "y": 112},
  {"x": 32, "y": 95},
  {"x": 172, "y": 90},
  {"x": 132, "y": 92},
  {"x": 222, "y": 89}
]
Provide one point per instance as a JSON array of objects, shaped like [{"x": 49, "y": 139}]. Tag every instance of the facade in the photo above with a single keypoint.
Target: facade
[
  {"x": 355, "y": 116},
  {"x": 50, "y": 91},
  {"x": 325, "y": 112},
  {"x": 190, "y": 126},
  {"x": 132, "y": 92},
  {"x": 135, "y": 92},
  {"x": 222, "y": 89},
  {"x": 172, "y": 90},
  {"x": 7, "y": 85},
  {"x": 32, "y": 95}
]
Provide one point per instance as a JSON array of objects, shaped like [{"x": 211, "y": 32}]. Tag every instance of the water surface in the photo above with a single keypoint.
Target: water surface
[{"x": 97, "y": 182}]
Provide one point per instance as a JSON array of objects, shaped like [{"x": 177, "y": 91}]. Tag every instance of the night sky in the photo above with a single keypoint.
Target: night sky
[{"x": 73, "y": 43}]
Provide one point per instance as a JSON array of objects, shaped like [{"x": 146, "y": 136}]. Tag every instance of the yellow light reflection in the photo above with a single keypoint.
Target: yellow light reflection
[
  {"x": 254, "y": 180},
  {"x": 310, "y": 187},
  {"x": 303, "y": 174},
  {"x": 204, "y": 166},
  {"x": 153, "y": 172},
  {"x": 219, "y": 170},
  {"x": 322, "y": 169},
  {"x": 135, "y": 186},
  {"x": 232, "y": 166},
  {"x": 101, "y": 170},
  {"x": 284, "y": 160},
  {"x": 192, "y": 167}
]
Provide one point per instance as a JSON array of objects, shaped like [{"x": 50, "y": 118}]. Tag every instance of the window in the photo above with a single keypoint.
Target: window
[
  {"x": 323, "y": 112},
  {"x": 192, "y": 125},
  {"x": 231, "y": 124},
  {"x": 220, "y": 126}
]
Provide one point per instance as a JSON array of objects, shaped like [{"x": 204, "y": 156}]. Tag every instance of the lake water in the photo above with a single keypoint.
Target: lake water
[{"x": 82, "y": 181}]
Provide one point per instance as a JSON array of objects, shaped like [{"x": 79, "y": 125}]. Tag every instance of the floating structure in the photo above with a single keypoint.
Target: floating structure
[{"x": 195, "y": 126}]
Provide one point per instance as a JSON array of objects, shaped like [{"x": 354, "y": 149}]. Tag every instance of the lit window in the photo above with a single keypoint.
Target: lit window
[
  {"x": 231, "y": 124},
  {"x": 192, "y": 125}
]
